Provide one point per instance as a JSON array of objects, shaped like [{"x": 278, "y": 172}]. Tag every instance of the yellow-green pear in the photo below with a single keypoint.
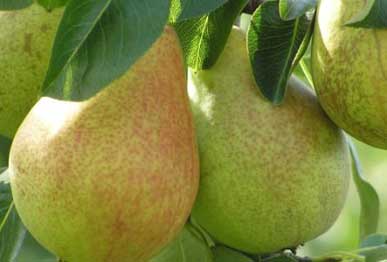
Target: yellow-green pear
[
  {"x": 26, "y": 38},
  {"x": 349, "y": 69},
  {"x": 272, "y": 177},
  {"x": 112, "y": 178}
]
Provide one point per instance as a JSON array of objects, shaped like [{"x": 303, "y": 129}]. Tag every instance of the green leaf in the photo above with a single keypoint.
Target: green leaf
[
  {"x": 374, "y": 254},
  {"x": 303, "y": 69},
  {"x": 98, "y": 41},
  {"x": 187, "y": 9},
  {"x": 341, "y": 257},
  {"x": 5, "y": 145},
  {"x": 32, "y": 251},
  {"x": 280, "y": 258},
  {"x": 12, "y": 231},
  {"x": 369, "y": 199},
  {"x": 305, "y": 44},
  {"x": 203, "y": 39},
  {"x": 373, "y": 15},
  {"x": 203, "y": 233},
  {"x": 273, "y": 45},
  {"x": 14, "y": 4},
  {"x": 52, "y": 4},
  {"x": 244, "y": 22},
  {"x": 5, "y": 196},
  {"x": 70, "y": 38},
  {"x": 224, "y": 254},
  {"x": 374, "y": 240},
  {"x": 188, "y": 247},
  {"x": 291, "y": 9}
]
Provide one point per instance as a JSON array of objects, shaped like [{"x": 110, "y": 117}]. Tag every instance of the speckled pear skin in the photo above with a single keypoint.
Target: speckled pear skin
[
  {"x": 349, "y": 69},
  {"x": 112, "y": 178},
  {"x": 272, "y": 177},
  {"x": 26, "y": 38}
]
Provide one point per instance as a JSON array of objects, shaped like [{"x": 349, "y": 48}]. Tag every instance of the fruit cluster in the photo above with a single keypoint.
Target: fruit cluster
[{"x": 115, "y": 177}]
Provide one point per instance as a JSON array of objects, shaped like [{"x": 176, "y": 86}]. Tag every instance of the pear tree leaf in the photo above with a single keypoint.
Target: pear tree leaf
[
  {"x": 374, "y": 254},
  {"x": 374, "y": 247},
  {"x": 5, "y": 146},
  {"x": 188, "y": 247},
  {"x": 369, "y": 199},
  {"x": 32, "y": 251},
  {"x": 97, "y": 42},
  {"x": 12, "y": 231},
  {"x": 303, "y": 68},
  {"x": 291, "y": 9},
  {"x": 373, "y": 15},
  {"x": 199, "y": 229},
  {"x": 273, "y": 46},
  {"x": 244, "y": 22},
  {"x": 281, "y": 257},
  {"x": 187, "y": 9},
  {"x": 79, "y": 20},
  {"x": 203, "y": 38},
  {"x": 52, "y": 4},
  {"x": 224, "y": 254},
  {"x": 304, "y": 55},
  {"x": 341, "y": 257},
  {"x": 14, "y": 4},
  {"x": 374, "y": 240}
]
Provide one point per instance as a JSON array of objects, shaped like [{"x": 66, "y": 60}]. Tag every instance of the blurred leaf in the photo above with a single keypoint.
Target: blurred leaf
[
  {"x": 98, "y": 41},
  {"x": 12, "y": 231},
  {"x": 273, "y": 45},
  {"x": 374, "y": 240},
  {"x": 305, "y": 44},
  {"x": 5, "y": 145},
  {"x": 203, "y": 234},
  {"x": 32, "y": 251},
  {"x": 281, "y": 257},
  {"x": 224, "y": 254},
  {"x": 374, "y": 254},
  {"x": 291, "y": 9},
  {"x": 14, "y": 4},
  {"x": 5, "y": 195},
  {"x": 369, "y": 199},
  {"x": 188, "y": 247},
  {"x": 244, "y": 22},
  {"x": 302, "y": 71},
  {"x": 373, "y": 15},
  {"x": 52, "y": 4},
  {"x": 203, "y": 39},
  {"x": 187, "y": 9},
  {"x": 340, "y": 257},
  {"x": 303, "y": 67}
]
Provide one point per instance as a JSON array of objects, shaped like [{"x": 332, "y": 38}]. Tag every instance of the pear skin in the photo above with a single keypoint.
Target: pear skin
[
  {"x": 112, "y": 178},
  {"x": 349, "y": 69},
  {"x": 272, "y": 177},
  {"x": 26, "y": 39}
]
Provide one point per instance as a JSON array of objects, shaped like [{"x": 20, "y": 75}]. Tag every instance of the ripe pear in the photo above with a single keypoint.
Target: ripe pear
[
  {"x": 26, "y": 39},
  {"x": 272, "y": 177},
  {"x": 349, "y": 69},
  {"x": 112, "y": 178}
]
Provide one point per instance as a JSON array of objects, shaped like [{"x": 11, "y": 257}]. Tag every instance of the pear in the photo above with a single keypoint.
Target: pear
[
  {"x": 26, "y": 39},
  {"x": 272, "y": 177},
  {"x": 112, "y": 178},
  {"x": 349, "y": 69}
]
